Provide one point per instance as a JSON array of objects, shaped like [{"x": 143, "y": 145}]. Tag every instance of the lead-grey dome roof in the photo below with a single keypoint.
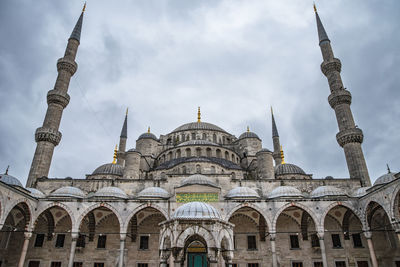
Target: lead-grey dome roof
[
  {"x": 288, "y": 168},
  {"x": 198, "y": 126},
  {"x": 148, "y": 136},
  {"x": 197, "y": 142},
  {"x": 110, "y": 191},
  {"x": 249, "y": 135},
  {"x": 10, "y": 180},
  {"x": 386, "y": 178},
  {"x": 153, "y": 192},
  {"x": 35, "y": 192},
  {"x": 68, "y": 191},
  {"x": 109, "y": 168},
  {"x": 242, "y": 192},
  {"x": 196, "y": 210},
  {"x": 285, "y": 191},
  {"x": 327, "y": 190},
  {"x": 198, "y": 179}
]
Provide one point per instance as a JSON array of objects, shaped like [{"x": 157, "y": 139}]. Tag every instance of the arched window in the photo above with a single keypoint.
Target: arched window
[
  {"x": 184, "y": 169},
  {"x": 188, "y": 152},
  {"x": 226, "y": 155},
  {"x": 233, "y": 158},
  {"x": 187, "y": 137},
  {"x": 223, "y": 139},
  {"x": 208, "y": 152},
  {"x": 183, "y": 138},
  {"x": 198, "y": 169},
  {"x": 169, "y": 156},
  {"x": 178, "y": 153},
  {"x": 218, "y": 151},
  {"x": 214, "y": 138},
  {"x": 198, "y": 152},
  {"x": 204, "y": 136},
  {"x": 193, "y": 136}
]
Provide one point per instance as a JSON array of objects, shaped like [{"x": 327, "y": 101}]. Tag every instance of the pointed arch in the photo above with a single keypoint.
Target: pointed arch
[
  {"x": 141, "y": 207},
  {"x": 51, "y": 205},
  {"x": 343, "y": 204},
  {"x": 249, "y": 205},
  {"x": 92, "y": 208},
  {"x": 196, "y": 230},
  {"x": 395, "y": 204},
  {"x": 27, "y": 207},
  {"x": 166, "y": 236},
  {"x": 297, "y": 205}
]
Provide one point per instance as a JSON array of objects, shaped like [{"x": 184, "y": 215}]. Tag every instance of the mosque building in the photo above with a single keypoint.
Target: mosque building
[{"x": 200, "y": 196}]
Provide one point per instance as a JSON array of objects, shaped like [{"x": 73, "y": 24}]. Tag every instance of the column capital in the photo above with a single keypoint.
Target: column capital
[
  {"x": 27, "y": 235},
  {"x": 368, "y": 234},
  {"x": 272, "y": 236},
  {"x": 74, "y": 236},
  {"x": 321, "y": 235},
  {"x": 122, "y": 236}
]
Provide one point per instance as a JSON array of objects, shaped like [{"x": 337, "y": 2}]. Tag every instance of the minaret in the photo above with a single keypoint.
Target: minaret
[
  {"x": 350, "y": 137},
  {"x": 275, "y": 139},
  {"x": 48, "y": 136},
  {"x": 122, "y": 141}
]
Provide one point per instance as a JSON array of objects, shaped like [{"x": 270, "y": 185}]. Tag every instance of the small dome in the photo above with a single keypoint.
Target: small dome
[
  {"x": 242, "y": 192},
  {"x": 327, "y": 190},
  {"x": 249, "y": 135},
  {"x": 110, "y": 191},
  {"x": 153, "y": 192},
  {"x": 384, "y": 179},
  {"x": 109, "y": 168},
  {"x": 197, "y": 142},
  {"x": 359, "y": 192},
  {"x": 196, "y": 210},
  {"x": 10, "y": 180},
  {"x": 35, "y": 192},
  {"x": 288, "y": 168},
  {"x": 285, "y": 191},
  {"x": 198, "y": 126},
  {"x": 68, "y": 191},
  {"x": 264, "y": 150},
  {"x": 198, "y": 179},
  {"x": 133, "y": 150},
  {"x": 148, "y": 136}
]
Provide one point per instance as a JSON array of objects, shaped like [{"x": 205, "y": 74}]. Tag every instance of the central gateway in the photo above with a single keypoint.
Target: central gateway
[{"x": 197, "y": 254}]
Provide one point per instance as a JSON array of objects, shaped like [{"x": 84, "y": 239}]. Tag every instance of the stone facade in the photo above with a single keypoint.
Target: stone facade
[{"x": 200, "y": 191}]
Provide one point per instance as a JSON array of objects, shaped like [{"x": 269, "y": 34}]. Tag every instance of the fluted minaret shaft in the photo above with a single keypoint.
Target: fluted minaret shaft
[
  {"x": 350, "y": 137},
  {"x": 122, "y": 142},
  {"x": 48, "y": 136},
  {"x": 275, "y": 139}
]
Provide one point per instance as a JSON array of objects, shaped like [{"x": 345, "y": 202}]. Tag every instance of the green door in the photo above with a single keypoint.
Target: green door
[{"x": 197, "y": 260}]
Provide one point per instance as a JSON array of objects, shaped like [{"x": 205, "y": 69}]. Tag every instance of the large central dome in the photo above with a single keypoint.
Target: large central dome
[{"x": 198, "y": 126}]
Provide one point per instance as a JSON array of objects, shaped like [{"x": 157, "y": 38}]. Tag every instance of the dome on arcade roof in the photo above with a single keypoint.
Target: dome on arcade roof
[
  {"x": 285, "y": 191},
  {"x": 327, "y": 190},
  {"x": 10, "y": 180},
  {"x": 288, "y": 168},
  {"x": 153, "y": 192},
  {"x": 198, "y": 126},
  {"x": 386, "y": 178},
  {"x": 35, "y": 192},
  {"x": 109, "y": 168},
  {"x": 68, "y": 191},
  {"x": 198, "y": 179},
  {"x": 197, "y": 142},
  {"x": 242, "y": 192},
  {"x": 110, "y": 191},
  {"x": 248, "y": 134},
  {"x": 196, "y": 210}
]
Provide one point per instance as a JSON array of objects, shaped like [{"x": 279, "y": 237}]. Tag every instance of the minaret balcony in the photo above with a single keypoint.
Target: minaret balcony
[
  {"x": 67, "y": 65},
  {"x": 352, "y": 135},
  {"x": 57, "y": 97},
  {"x": 339, "y": 97},
  {"x": 48, "y": 135},
  {"x": 332, "y": 65}
]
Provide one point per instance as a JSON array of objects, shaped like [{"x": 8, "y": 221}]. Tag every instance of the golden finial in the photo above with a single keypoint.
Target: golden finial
[
  {"x": 198, "y": 115},
  {"x": 84, "y": 7},
  {"x": 248, "y": 129},
  {"x": 6, "y": 173},
  {"x": 315, "y": 8},
  {"x": 148, "y": 129},
  {"x": 282, "y": 157},
  {"x": 115, "y": 155},
  {"x": 126, "y": 113}
]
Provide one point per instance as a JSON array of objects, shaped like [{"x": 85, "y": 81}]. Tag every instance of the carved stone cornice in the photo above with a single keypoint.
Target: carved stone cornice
[
  {"x": 353, "y": 135},
  {"x": 67, "y": 65},
  {"x": 48, "y": 135},
  {"x": 58, "y": 97},
  {"x": 339, "y": 97},
  {"x": 332, "y": 65}
]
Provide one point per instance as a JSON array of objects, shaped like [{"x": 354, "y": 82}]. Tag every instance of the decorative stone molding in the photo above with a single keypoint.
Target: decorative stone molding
[
  {"x": 333, "y": 65},
  {"x": 58, "y": 97},
  {"x": 48, "y": 135},
  {"x": 339, "y": 97},
  {"x": 67, "y": 65},
  {"x": 353, "y": 135}
]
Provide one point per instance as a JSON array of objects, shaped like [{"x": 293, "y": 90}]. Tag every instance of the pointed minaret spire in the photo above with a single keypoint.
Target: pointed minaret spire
[
  {"x": 122, "y": 141},
  {"x": 76, "y": 33},
  {"x": 275, "y": 139},
  {"x": 48, "y": 137},
  {"x": 350, "y": 137}
]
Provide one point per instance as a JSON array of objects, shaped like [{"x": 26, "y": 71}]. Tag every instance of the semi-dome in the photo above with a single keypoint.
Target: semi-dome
[
  {"x": 198, "y": 179},
  {"x": 197, "y": 142},
  {"x": 196, "y": 210},
  {"x": 148, "y": 136},
  {"x": 386, "y": 178},
  {"x": 68, "y": 191},
  {"x": 35, "y": 192},
  {"x": 10, "y": 180},
  {"x": 153, "y": 192},
  {"x": 242, "y": 192},
  {"x": 110, "y": 191},
  {"x": 263, "y": 150},
  {"x": 109, "y": 169},
  {"x": 285, "y": 191},
  {"x": 288, "y": 168},
  {"x": 327, "y": 190},
  {"x": 198, "y": 126},
  {"x": 248, "y": 135},
  {"x": 359, "y": 192}
]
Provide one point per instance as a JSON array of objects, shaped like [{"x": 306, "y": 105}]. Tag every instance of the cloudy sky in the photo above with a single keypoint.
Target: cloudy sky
[{"x": 235, "y": 59}]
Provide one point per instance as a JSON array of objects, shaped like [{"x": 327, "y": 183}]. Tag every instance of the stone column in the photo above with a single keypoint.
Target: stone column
[
  {"x": 121, "y": 250},
  {"x": 228, "y": 256},
  {"x": 368, "y": 235},
  {"x": 273, "y": 250},
  {"x": 397, "y": 233},
  {"x": 164, "y": 256},
  {"x": 178, "y": 256},
  {"x": 322, "y": 246},
  {"x": 27, "y": 237},
  {"x": 74, "y": 238}
]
